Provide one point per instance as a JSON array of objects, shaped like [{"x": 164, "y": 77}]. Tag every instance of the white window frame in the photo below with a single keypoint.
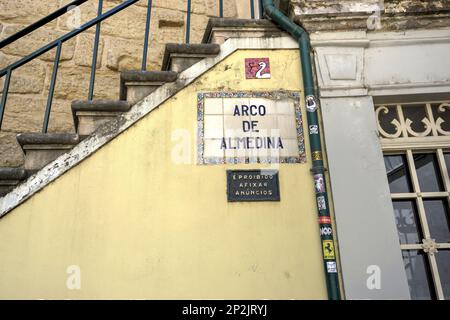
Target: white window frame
[{"x": 405, "y": 142}]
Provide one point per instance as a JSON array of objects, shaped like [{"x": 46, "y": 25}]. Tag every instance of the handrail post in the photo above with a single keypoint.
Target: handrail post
[
  {"x": 95, "y": 53},
  {"x": 188, "y": 21},
  {"x": 5, "y": 95},
  {"x": 147, "y": 33},
  {"x": 252, "y": 9},
  {"x": 52, "y": 88},
  {"x": 261, "y": 9}
]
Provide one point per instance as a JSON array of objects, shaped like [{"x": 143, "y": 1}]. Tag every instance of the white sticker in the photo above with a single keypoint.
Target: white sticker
[
  {"x": 311, "y": 104},
  {"x": 314, "y": 129},
  {"x": 321, "y": 203},
  {"x": 331, "y": 267}
]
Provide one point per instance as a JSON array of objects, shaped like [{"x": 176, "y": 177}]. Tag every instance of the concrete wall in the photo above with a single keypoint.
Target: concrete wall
[
  {"x": 120, "y": 49},
  {"x": 141, "y": 225},
  {"x": 353, "y": 69}
]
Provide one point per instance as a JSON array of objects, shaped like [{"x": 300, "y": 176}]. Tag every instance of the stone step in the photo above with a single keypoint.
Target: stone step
[
  {"x": 42, "y": 148},
  {"x": 88, "y": 115},
  {"x": 219, "y": 30},
  {"x": 10, "y": 178},
  {"x": 136, "y": 85},
  {"x": 179, "y": 57}
]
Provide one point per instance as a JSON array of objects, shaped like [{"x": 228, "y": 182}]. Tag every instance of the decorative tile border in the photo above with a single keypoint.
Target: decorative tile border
[{"x": 273, "y": 95}]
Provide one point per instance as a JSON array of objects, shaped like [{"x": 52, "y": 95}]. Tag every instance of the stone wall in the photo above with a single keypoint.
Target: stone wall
[{"x": 120, "y": 49}]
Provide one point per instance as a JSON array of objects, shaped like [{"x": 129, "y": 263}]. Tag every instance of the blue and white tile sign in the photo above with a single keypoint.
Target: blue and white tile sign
[{"x": 250, "y": 127}]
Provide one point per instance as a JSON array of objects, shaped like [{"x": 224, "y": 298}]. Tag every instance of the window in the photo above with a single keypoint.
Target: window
[{"x": 416, "y": 142}]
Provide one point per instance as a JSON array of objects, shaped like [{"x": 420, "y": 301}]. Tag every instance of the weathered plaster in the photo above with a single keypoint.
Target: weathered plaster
[
  {"x": 373, "y": 15},
  {"x": 112, "y": 129}
]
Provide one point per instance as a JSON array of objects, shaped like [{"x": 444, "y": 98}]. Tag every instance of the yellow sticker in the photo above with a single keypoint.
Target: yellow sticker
[
  {"x": 328, "y": 249},
  {"x": 317, "y": 155}
]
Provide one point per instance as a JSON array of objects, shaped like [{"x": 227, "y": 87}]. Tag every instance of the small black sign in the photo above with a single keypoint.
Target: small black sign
[{"x": 253, "y": 185}]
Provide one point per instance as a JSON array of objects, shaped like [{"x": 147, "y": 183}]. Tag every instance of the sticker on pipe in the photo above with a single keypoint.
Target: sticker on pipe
[
  {"x": 324, "y": 220},
  {"x": 321, "y": 204},
  {"x": 328, "y": 250},
  {"x": 319, "y": 183},
  {"x": 331, "y": 267},
  {"x": 311, "y": 104}
]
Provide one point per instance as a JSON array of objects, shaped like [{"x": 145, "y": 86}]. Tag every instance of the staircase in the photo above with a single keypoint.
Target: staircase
[{"x": 42, "y": 148}]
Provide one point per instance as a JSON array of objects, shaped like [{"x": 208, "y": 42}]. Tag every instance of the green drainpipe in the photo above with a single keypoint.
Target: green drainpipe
[{"x": 326, "y": 229}]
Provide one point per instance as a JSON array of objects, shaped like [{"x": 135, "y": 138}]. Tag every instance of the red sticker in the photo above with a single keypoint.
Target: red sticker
[{"x": 324, "y": 220}]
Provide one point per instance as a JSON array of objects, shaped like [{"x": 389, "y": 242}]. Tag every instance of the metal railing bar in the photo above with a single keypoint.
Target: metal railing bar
[
  {"x": 61, "y": 11},
  {"x": 147, "y": 33},
  {"x": 5, "y": 95},
  {"x": 188, "y": 21},
  {"x": 252, "y": 9},
  {"x": 67, "y": 36},
  {"x": 95, "y": 51},
  {"x": 52, "y": 87},
  {"x": 221, "y": 8},
  {"x": 261, "y": 9}
]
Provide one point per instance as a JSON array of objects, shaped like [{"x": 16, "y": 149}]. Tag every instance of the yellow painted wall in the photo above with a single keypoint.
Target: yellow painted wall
[{"x": 140, "y": 226}]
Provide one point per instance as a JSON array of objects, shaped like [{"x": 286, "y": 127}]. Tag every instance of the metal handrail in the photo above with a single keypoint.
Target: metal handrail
[
  {"x": 95, "y": 52},
  {"x": 188, "y": 21},
  {"x": 61, "y": 11},
  {"x": 67, "y": 36},
  {"x": 59, "y": 42},
  {"x": 147, "y": 33}
]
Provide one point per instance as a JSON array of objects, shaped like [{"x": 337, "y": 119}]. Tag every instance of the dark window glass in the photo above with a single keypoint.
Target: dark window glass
[
  {"x": 447, "y": 162},
  {"x": 438, "y": 219},
  {"x": 398, "y": 174},
  {"x": 405, "y": 212},
  {"x": 418, "y": 275},
  {"x": 427, "y": 169},
  {"x": 386, "y": 119},
  {"x": 443, "y": 262},
  {"x": 444, "y": 114},
  {"x": 416, "y": 114}
]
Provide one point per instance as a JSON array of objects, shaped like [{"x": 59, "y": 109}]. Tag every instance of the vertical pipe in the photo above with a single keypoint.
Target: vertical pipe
[
  {"x": 318, "y": 171},
  {"x": 5, "y": 95},
  {"x": 95, "y": 53},
  {"x": 188, "y": 21},
  {"x": 221, "y": 8},
  {"x": 147, "y": 33},
  {"x": 52, "y": 88},
  {"x": 252, "y": 9}
]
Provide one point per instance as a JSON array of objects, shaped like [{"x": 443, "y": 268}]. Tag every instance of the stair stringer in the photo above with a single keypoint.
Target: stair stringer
[{"x": 115, "y": 127}]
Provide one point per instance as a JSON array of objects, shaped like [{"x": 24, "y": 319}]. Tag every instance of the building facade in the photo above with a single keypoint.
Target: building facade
[{"x": 383, "y": 73}]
